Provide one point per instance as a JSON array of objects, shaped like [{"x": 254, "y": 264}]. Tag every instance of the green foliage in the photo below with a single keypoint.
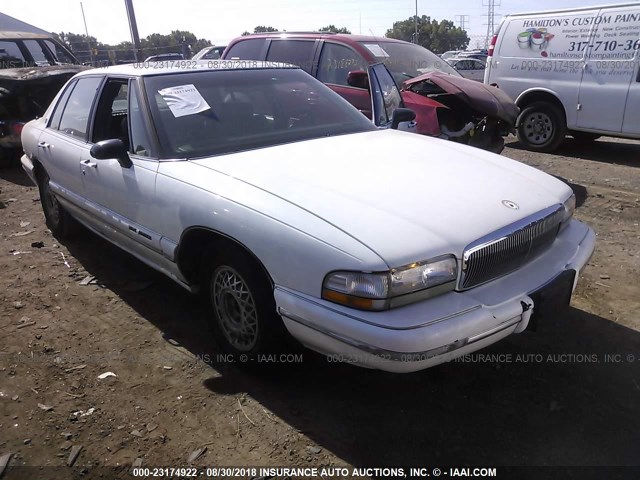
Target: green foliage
[
  {"x": 332, "y": 28},
  {"x": 263, "y": 29},
  {"x": 177, "y": 41},
  {"x": 433, "y": 35}
]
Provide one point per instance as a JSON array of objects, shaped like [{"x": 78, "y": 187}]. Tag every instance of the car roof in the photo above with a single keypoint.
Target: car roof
[
  {"x": 6, "y": 35},
  {"x": 145, "y": 69},
  {"x": 345, "y": 37}
]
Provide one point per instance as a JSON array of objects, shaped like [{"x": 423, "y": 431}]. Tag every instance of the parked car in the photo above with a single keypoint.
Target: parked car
[
  {"x": 572, "y": 72},
  {"x": 295, "y": 215},
  {"x": 209, "y": 53},
  {"x": 165, "y": 57},
  {"x": 446, "y": 105},
  {"x": 477, "y": 55},
  {"x": 33, "y": 68},
  {"x": 450, "y": 54},
  {"x": 468, "y": 67}
]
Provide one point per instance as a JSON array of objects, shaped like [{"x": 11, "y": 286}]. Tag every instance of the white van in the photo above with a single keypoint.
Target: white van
[{"x": 571, "y": 72}]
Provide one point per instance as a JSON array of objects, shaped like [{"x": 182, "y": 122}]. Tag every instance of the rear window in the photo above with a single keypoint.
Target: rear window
[
  {"x": 295, "y": 52},
  {"x": 211, "y": 113}
]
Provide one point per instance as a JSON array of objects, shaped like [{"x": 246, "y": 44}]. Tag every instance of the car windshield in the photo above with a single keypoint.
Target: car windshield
[
  {"x": 406, "y": 60},
  {"x": 201, "y": 114}
]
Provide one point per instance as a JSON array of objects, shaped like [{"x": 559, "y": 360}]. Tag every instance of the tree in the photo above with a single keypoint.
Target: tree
[
  {"x": 263, "y": 29},
  {"x": 333, "y": 29},
  {"x": 433, "y": 35}
]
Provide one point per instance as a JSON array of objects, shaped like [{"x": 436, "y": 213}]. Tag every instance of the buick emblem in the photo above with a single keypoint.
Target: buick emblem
[{"x": 510, "y": 204}]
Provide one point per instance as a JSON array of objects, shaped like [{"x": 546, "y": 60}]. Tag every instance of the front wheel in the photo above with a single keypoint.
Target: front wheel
[
  {"x": 245, "y": 320},
  {"x": 541, "y": 127}
]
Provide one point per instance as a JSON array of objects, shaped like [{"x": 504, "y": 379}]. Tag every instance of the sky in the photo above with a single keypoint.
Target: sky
[{"x": 221, "y": 20}]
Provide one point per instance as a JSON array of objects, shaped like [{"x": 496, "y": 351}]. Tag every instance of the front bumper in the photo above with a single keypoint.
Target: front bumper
[
  {"x": 27, "y": 166},
  {"x": 437, "y": 330}
]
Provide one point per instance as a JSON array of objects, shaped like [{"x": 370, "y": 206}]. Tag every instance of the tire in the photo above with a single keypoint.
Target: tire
[
  {"x": 243, "y": 310},
  {"x": 59, "y": 221},
  {"x": 542, "y": 127},
  {"x": 585, "y": 137}
]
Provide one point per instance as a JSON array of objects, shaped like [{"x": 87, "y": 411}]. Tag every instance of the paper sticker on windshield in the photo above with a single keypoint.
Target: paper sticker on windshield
[
  {"x": 184, "y": 100},
  {"x": 376, "y": 50}
]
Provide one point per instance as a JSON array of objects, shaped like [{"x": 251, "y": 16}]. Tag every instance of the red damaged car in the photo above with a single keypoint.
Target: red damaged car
[{"x": 446, "y": 104}]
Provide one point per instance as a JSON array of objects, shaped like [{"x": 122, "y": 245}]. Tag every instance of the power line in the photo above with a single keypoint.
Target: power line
[
  {"x": 491, "y": 14},
  {"x": 462, "y": 21}
]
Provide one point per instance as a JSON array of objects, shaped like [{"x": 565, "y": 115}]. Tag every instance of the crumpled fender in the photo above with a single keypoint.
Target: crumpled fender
[
  {"x": 426, "y": 112},
  {"x": 482, "y": 98}
]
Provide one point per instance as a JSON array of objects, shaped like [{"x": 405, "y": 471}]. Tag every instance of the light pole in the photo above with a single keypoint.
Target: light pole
[
  {"x": 415, "y": 25},
  {"x": 133, "y": 26},
  {"x": 86, "y": 31}
]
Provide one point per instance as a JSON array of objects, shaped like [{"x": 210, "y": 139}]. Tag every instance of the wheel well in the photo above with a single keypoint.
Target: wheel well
[
  {"x": 537, "y": 96},
  {"x": 38, "y": 170},
  {"x": 196, "y": 242}
]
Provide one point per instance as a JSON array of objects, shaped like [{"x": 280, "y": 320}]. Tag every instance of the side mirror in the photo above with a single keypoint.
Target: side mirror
[
  {"x": 358, "y": 79},
  {"x": 400, "y": 115},
  {"x": 112, "y": 148}
]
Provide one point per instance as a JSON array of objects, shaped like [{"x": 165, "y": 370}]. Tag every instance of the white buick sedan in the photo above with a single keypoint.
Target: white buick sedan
[{"x": 297, "y": 217}]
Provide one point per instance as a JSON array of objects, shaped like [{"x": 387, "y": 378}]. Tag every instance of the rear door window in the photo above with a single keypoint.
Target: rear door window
[
  {"x": 75, "y": 117},
  {"x": 295, "y": 52},
  {"x": 37, "y": 52}
]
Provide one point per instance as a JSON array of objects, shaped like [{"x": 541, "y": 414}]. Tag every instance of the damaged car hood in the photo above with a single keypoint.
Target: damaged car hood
[
  {"x": 35, "y": 73},
  {"x": 484, "y": 98}
]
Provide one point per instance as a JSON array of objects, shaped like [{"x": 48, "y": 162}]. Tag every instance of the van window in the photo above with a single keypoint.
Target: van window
[
  {"x": 296, "y": 52},
  {"x": 246, "y": 49},
  {"x": 336, "y": 61}
]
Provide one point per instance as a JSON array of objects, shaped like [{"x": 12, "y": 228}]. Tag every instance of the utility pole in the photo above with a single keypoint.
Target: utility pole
[
  {"x": 86, "y": 31},
  {"x": 415, "y": 25},
  {"x": 462, "y": 21},
  {"x": 133, "y": 26},
  {"x": 491, "y": 14}
]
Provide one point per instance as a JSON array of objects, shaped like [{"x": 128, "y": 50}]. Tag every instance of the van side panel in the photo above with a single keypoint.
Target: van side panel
[{"x": 543, "y": 51}]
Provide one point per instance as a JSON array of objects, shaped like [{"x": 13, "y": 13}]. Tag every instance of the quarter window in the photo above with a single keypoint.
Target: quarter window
[
  {"x": 75, "y": 117},
  {"x": 140, "y": 143},
  {"x": 57, "y": 113},
  {"x": 246, "y": 49},
  {"x": 336, "y": 61}
]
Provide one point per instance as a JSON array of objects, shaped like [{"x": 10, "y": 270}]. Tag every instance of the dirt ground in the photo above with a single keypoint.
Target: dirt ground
[{"x": 568, "y": 394}]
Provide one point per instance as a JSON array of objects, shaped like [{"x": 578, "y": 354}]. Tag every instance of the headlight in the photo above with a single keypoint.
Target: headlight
[
  {"x": 569, "y": 207},
  {"x": 400, "y": 286}
]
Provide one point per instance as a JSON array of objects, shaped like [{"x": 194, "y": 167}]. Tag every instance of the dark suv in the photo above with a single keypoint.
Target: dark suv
[
  {"x": 446, "y": 105},
  {"x": 33, "y": 68}
]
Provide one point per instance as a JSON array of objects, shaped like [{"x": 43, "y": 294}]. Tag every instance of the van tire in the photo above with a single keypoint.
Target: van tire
[
  {"x": 585, "y": 137},
  {"x": 542, "y": 127}
]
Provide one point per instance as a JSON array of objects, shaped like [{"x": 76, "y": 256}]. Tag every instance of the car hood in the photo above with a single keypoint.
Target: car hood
[
  {"x": 406, "y": 197},
  {"x": 481, "y": 97}
]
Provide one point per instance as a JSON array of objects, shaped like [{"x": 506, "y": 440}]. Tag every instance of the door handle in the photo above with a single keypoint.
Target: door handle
[
  {"x": 44, "y": 145},
  {"x": 89, "y": 163}
]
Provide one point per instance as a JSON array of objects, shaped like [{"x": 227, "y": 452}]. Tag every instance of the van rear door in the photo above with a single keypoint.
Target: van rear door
[
  {"x": 631, "y": 124},
  {"x": 609, "y": 68}
]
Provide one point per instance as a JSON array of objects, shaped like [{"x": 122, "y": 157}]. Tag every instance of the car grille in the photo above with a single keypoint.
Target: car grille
[{"x": 509, "y": 248}]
